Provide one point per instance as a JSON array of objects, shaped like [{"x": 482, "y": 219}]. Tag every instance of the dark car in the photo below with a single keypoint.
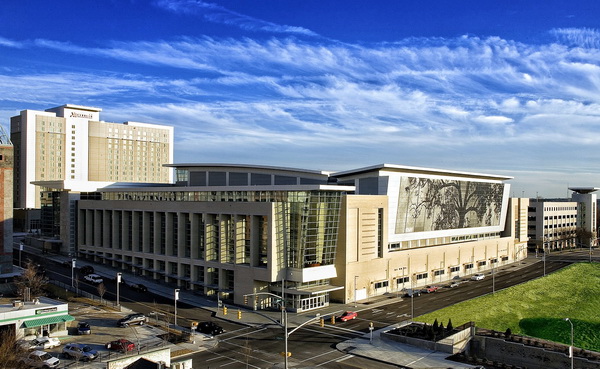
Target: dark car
[
  {"x": 84, "y": 328},
  {"x": 86, "y": 269},
  {"x": 211, "y": 328},
  {"x": 122, "y": 345},
  {"x": 137, "y": 318},
  {"x": 138, "y": 287},
  {"x": 412, "y": 292}
]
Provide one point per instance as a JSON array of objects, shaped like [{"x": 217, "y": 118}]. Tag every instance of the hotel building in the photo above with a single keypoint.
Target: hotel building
[
  {"x": 71, "y": 145},
  {"x": 242, "y": 232}
]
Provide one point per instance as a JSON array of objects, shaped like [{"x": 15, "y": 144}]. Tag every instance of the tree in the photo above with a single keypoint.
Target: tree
[
  {"x": 31, "y": 278},
  {"x": 508, "y": 333},
  {"x": 10, "y": 352},
  {"x": 101, "y": 290},
  {"x": 440, "y": 330},
  {"x": 435, "y": 324},
  {"x": 449, "y": 327}
]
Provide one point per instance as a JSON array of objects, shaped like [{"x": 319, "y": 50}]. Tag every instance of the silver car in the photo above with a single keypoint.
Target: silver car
[
  {"x": 41, "y": 359},
  {"x": 79, "y": 352}
]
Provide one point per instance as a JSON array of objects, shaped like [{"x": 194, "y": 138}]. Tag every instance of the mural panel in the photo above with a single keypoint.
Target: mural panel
[{"x": 427, "y": 204}]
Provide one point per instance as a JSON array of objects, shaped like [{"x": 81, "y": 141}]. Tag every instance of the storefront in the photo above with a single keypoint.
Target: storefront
[{"x": 42, "y": 316}]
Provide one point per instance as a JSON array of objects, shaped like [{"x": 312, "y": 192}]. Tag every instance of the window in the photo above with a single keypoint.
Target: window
[
  {"x": 422, "y": 276},
  {"x": 469, "y": 266},
  {"x": 439, "y": 272},
  {"x": 381, "y": 284},
  {"x": 454, "y": 269},
  {"x": 402, "y": 280},
  {"x": 482, "y": 263}
]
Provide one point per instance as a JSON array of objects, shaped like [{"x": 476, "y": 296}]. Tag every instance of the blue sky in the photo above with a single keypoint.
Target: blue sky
[{"x": 499, "y": 87}]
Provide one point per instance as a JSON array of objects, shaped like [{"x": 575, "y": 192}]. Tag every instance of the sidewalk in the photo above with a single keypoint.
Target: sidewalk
[{"x": 372, "y": 347}]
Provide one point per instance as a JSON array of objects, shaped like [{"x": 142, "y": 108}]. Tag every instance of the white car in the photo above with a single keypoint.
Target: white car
[
  {"x": 94, "y": 278},
  {"x": 478, "y": 277},
  {"x": 43, "y": 343},
  {"x": 41, "y": 359}
]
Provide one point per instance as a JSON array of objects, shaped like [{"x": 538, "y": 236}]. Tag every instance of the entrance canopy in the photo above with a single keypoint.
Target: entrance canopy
[{"x": 48, "y": 320}]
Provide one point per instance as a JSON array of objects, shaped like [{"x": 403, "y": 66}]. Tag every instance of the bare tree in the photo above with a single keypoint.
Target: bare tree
[
  {"x": 10, "y": 352},
  {"x": 101, "y": 290},
  {"x": 32, "y": 279}
]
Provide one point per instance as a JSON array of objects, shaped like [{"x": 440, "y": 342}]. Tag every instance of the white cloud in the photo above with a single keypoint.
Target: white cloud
[
  {"x": 466, "y": 103},
  {"x": 219, "y": 14},
  {"x": 495, "y": 119}
]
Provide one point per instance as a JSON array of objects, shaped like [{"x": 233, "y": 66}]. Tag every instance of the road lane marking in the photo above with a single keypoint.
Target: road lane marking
[{"x": 345, "y": 357}]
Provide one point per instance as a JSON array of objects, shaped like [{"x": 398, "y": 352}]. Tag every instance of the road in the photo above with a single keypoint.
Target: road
[{"x": 311, "y": 346}]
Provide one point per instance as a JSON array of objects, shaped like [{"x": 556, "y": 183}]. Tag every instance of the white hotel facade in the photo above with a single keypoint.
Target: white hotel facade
[
  {"x": 233, "y": 230},
  {"x": 71, "y": 146}
]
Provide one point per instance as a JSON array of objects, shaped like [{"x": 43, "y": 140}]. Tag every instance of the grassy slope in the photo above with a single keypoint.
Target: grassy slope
[{"x": 538, "y": 308}]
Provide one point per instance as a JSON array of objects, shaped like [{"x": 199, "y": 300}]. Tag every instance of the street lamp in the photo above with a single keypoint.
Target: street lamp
[
  {"x": 176, "y": 298},
  {"x": 571, "y": 347},
  {"x": 118, "y": 283},
  {"x": 73, "y": 262},
  {"x": 412, "y": 298},
  {"x": 21, "y": 249},
  {"x": 355, "y": 290}
]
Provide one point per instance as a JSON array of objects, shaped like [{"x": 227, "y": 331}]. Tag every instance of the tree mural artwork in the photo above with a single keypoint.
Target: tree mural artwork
[{"x": 434, "y": 204}]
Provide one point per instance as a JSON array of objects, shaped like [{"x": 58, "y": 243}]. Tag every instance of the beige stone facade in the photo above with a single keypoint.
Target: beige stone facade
[{"x": 238, "y": 232}]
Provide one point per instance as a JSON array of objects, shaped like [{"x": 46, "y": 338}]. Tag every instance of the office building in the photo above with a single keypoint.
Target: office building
[
  {"x": 241, "y": 232},
  {"x": 558, "y": 224},
  {"x": 72, "y": 147},
  {"x": 552, "y": 225}
]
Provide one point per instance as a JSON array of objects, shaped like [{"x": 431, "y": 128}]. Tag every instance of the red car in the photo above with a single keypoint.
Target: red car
[
  {"x": 347, "y": 315},
  {"x": 431, "y": 289},
  {"x": 122, "y": 345}
]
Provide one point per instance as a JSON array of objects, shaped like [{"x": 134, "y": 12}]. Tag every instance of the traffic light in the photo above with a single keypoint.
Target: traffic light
[
  {"x": 245, "y": 299},
  {"x": 239, "y": 314},
  {"x": 224, "y": 310},
  {"x": 284, "y": 354},
  {"x": 322, "y": 322},
  {"x": 371, "y": 325},
  {"x": 333, "y": 319}
]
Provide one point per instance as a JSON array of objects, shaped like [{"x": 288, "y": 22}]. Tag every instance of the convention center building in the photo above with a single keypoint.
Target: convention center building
[{"x": 244, "y": 233}]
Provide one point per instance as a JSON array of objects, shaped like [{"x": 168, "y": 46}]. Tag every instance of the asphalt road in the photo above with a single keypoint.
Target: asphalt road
[{"x": 312, "y": 345}]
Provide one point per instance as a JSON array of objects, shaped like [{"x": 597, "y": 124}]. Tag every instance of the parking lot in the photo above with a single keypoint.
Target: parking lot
[{"x": 104, "y": 329}]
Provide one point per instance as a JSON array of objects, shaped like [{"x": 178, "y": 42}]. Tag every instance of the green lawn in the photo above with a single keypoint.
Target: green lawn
[{"x": 538, "y": 308}]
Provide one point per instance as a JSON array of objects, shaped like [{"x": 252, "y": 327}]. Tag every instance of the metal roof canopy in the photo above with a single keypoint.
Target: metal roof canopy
[{"x": 48, "y": 320}]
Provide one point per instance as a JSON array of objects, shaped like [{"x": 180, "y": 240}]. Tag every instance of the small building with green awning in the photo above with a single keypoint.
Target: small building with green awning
[{"x": 41, "y": 316}]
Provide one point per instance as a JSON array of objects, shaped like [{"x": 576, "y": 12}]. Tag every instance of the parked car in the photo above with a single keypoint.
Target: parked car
[
  {"x": 138, "y": 287},
  {"x": 42, "y": 343},
  {"x": 40, "y": 359},
  {"x": 211, "y": 328},
  {"x": 347, "y": 315},
  {"x": 412, "y": 292},
  {"x": 431, "y": 289},
  {"x": 93, "y": 278},
  {"x": 122, "y": 345},
  {"x": 86, "y": 269},
  {"x": 79, "y": 352},
  {"x": 84, "y": 328},
  {"x": 478, "y": 277},
  {"x": 453, "y": 284},
  {"x": 136, "y": 318}
]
